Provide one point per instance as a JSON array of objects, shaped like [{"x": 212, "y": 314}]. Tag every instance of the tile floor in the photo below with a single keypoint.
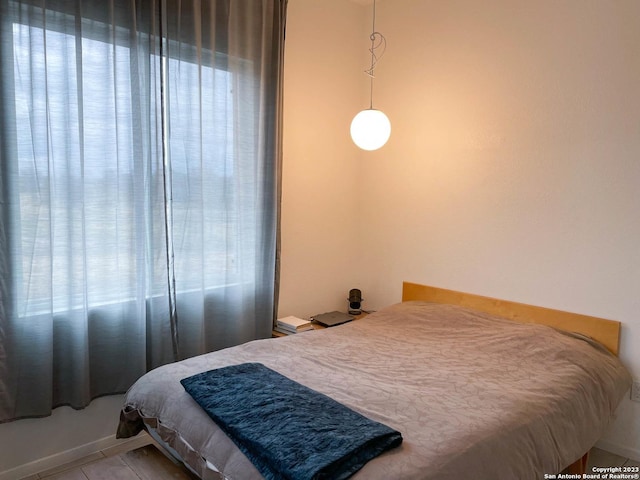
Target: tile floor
[
  {"x": 602, "y": 458},
  {"x": 137, "y": 459}
]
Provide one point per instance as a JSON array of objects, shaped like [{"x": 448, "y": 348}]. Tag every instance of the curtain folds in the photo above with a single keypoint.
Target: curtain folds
[{"x": 140, "y": 158}]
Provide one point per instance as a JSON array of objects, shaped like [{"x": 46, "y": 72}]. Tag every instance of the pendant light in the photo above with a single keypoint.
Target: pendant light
[{"x": 370, "y": 129}]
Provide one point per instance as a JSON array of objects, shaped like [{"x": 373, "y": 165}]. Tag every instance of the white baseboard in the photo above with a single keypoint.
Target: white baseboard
[
  {"x": 623, "y": 451},
  {"x": 62, "y": 458}
]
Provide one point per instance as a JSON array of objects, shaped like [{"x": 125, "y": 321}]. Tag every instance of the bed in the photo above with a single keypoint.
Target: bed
[{"x": 477, "y": 386}]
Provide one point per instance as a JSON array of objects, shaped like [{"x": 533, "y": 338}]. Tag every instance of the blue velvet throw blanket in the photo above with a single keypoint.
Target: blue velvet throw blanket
[{"x": 287, "y": 430}]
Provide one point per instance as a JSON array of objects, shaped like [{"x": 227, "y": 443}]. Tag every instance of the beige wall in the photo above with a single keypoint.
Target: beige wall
[
  {"x": 324, "y": 62},
  {"x": 513, "y": 168}
]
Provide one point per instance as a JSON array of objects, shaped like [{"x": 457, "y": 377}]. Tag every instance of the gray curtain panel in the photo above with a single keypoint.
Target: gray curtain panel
[{"x": 140, "y": 158}]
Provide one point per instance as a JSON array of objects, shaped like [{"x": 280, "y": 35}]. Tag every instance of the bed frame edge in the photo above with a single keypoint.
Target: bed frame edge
[{"x": 605, "y": 331}]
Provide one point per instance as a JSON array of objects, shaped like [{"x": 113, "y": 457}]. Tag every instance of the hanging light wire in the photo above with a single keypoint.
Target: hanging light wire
[
  {"x": 371, "y": 128},
  {"x": 377, "y": 41}
]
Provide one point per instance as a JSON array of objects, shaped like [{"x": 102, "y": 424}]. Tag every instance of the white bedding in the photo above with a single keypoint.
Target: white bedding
[{"x": 474, "y": 396}]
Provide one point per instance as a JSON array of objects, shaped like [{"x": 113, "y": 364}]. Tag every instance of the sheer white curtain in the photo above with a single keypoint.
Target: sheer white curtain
[{"x": 139, "y": 149}]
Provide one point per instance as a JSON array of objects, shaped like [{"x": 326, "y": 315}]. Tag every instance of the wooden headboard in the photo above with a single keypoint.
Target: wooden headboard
[{"x": 607, "y": 332}]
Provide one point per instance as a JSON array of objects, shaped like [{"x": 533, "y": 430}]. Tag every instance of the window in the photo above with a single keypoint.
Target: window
[
  {"x": 140, "y": 154},
  {"x": 89, "y": 140}
]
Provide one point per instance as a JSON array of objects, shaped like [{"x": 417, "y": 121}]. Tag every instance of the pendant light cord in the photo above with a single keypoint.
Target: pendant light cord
[
  {"x": 370, "y": 129},
  {"x": 381, "y": 42}
]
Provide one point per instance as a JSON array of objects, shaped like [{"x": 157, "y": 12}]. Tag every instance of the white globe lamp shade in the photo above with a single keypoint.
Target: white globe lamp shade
[{"x": 370, "y": 129}]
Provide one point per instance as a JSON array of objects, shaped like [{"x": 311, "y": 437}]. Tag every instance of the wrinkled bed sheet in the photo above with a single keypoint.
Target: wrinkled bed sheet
[{"x": 474, "y": 396}]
